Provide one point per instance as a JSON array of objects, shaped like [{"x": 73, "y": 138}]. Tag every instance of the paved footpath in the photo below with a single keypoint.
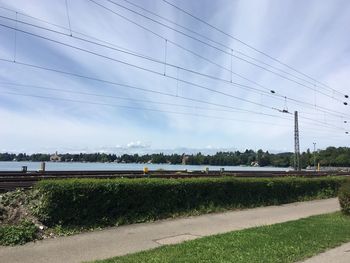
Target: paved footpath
[
  {"x": 336, "y": 255},
  {"x": 132, "y": 238}
]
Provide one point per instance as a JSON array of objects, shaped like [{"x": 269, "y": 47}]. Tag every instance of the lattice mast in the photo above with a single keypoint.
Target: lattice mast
[{"x": 297, "y": 166}]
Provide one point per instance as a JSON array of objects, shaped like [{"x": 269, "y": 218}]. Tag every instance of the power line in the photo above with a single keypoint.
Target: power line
[
  {"x": 145, "y": 69},
  {"x": 250, "y": 46},
  {"x": 63, "y": 27},
  {"x": 136, "y": 88},
  {"x": 236, "y": 109},
  {"x": 153, "y": 91},
  {"x": 140, "y": 68},
  {"x": 216, "y": 42},
  {"x": 129, "y": 64},
  {"x": 205, "y": 43},
  {"x": 267, "y": 92},
  {"x": 70, "y": 27},
  {"x": 139, "y": 108},
  {"x": 156, "y": 34},
  {"x": 15, "y": 42},
  {"x": 259, "y": 104},
  {"x": 143, "y": 100},
  {"x": 119, "y": 47},
  {"x": 175, "y": 66},
  {"x": 144, "y": 109}
]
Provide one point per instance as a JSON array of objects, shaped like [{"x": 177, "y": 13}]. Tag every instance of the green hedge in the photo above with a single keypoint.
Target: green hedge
[
  {"x": 17, "y": 234},
  {"x": 83, "y": 202},
  {"x": 344, "y": 197}
]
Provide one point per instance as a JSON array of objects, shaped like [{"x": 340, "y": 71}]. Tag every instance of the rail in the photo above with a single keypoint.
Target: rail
[{"x": 10, "y": 180}]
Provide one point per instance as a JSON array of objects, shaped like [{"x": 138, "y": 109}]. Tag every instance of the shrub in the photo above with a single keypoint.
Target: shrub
[
  {"x": 117, "y": 201},
  {"x": 344, "y": 197},
  {"x": 17, "y": 234}
]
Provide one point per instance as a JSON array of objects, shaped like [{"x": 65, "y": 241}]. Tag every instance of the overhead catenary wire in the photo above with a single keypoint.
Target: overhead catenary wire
[
  {"x": 177, "y": 80},
  {"x": 196, "y": 114},
  {"x": 231, "y": 65},
  {"x": 165, "y": 64},
  {"x": 165, "y": 55},
  {"x": 123, "y": 48},
  {"x": 185, "y": 69},
  {"x": 152, "y": 71},
  {"x": 250, "y": 46},
  {"x": 221, "y": 44},
  {"x": 193, "y": 84},
  {"x": 207, "y": 44},
  {"x": 132, "y": 53},
  {"x": 139, "y": 108},
  {"x": 130, "y": 86},
  {"x": 66, "y": 28},
  {"x": 227, "y": 108},
  {"x": 68, "y": 17},
  {"x": 129, "y": 52},
  {"x": 146, "y": 90},
  {"x": 139, "y": 67},
  {"x": 231, "y": 109},
  {"x": 151, "y": 31},
  {"x": 15, "y": 41}
]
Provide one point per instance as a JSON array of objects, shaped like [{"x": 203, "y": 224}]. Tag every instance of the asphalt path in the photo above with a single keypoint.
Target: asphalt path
[
  {"x": 127, "y": 239},
  {"x": 340, "y": 254}
]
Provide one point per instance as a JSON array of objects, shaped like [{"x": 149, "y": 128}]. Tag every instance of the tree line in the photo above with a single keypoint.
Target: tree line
[{"x": 331, "y": 156}]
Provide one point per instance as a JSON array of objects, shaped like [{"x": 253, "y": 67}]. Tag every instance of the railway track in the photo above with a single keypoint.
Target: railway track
[{"x": 12, "y": 180}]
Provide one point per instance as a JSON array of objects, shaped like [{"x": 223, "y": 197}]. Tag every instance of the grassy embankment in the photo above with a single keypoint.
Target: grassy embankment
[{"x": 286, "y": 242}]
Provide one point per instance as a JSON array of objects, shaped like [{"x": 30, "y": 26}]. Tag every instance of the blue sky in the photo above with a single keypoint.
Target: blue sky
[{"x": 46, "y": 111}]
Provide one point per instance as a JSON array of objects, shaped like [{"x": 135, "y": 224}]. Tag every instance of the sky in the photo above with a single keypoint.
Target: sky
[{"x": 125, "y": 80}]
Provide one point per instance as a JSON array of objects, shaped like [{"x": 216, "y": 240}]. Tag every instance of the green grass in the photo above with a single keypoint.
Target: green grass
[{"x": 285, "y": 242}]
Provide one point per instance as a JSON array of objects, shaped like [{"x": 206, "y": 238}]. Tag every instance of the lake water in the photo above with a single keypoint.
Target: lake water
[{"x": 63, "y": 166}]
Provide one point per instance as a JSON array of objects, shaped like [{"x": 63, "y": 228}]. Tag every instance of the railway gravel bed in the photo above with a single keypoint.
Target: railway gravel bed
[{"x": 12, "y": 180}]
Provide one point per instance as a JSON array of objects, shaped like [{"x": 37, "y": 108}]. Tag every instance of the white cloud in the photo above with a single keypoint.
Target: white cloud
[
  {"x": 137, "y": 145},
  {"x": 310, "y": 38}
]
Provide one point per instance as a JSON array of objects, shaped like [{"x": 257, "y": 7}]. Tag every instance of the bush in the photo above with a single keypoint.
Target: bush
[
  {"x": 344, "y": 197},
  {"x": 17, "y": 234},
  {"x": 82, "y": 202}
]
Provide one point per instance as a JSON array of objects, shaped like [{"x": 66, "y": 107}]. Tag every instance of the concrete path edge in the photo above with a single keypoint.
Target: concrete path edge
[{"x": 133, "y": 238}]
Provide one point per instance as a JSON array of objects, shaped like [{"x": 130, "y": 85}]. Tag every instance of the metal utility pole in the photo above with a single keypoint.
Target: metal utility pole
[
  {"x": 296, "y": 143},
  {"x": 314, "y": 156}
]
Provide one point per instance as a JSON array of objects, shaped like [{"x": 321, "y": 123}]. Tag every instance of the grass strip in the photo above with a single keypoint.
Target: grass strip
[{"x": 285, "y": 242}]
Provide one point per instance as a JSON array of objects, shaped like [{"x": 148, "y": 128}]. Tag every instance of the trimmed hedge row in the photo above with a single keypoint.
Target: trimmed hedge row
[
  {"x": 82, "y": 202},
  {"x": 344, "y": 197}
]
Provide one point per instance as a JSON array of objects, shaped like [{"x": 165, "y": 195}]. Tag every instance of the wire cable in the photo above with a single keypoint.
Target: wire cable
[
  {"x": 220, "y": 44},
  {"x": 146, "y": 109},
  {"x": 147, "y": 90},
  {"x": 139, "y": 108},
  {"x": 139, "y": 67},
  {"x": 212, "y": 46},
  {"x": 185, "y": 69},
  {"x": 124, "y": 62},
  {"x": 249, "y": 46},
  {"x": 132, "y": 87},
  {"x": 70, "y": 27},
  {"x": 267, "y": 91},
  {"x": 143, "y": 100}
]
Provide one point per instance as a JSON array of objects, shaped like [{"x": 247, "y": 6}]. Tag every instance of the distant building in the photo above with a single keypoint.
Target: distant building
[
  {"x": 55, "y": 158},
  {"x": 184, "y": 159},
  {"x": 255, "y": 164}
]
